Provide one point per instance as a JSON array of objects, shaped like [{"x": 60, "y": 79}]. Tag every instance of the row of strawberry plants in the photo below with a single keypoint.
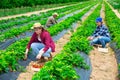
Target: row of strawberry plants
[
  {"x": 34, "y": 17},
  {"x": 16, "y": 50},
  {"x": 10, "y": 56},
  {"x": 8, "y": 4},
  {"x": 113, "y": 23},
  {"x": 14, "y": 11},
  {"x": 22, "y": 17},
  {"x": 115, "y": 3},
  {"x": 38, "y": 17},
  {"x": 119, "y": 70},
  {"x": 79, "y": 40},
  {"x": 16, "y": 31},
  {"x": 67, "y": 22},
  {"x": 62, "y": 65}
]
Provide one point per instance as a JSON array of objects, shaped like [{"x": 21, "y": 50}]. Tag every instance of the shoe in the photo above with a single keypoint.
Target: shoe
[
  {"x": 41, "y": 60},
  {"x": 50, "y": 58}
]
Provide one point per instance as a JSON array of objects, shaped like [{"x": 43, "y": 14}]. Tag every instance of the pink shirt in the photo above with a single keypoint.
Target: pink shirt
[{"x": 45, "y": 39}]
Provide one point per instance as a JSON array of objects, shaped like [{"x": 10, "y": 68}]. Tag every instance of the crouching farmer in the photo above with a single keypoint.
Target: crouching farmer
[
  {"x": 41, "y": 43},
  {"x": 101, "y": 34},
  {"x": 51, "y": 20}
]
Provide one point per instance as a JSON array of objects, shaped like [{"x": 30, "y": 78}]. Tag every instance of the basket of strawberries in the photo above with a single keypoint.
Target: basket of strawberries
[{"x": 36, "y": 66}]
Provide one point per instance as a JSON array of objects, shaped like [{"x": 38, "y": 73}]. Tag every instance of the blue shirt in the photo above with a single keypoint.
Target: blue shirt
[{"x": 101, "y": 31}]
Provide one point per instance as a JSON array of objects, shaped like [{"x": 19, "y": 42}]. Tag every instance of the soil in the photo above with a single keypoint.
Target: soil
[
  {"x": 114, "y": 10},
  {"x": 104, "y": 65},
  {"x": 89, "y": 12},
  {"x": 30, "y": 13},
  {"x": 59, "y": 46}
]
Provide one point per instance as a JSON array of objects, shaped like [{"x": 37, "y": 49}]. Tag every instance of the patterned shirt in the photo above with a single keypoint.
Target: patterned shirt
[{"x": 101, "y": 31}]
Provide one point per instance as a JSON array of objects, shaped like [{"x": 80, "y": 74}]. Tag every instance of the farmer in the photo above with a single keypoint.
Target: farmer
[
  {"x": 41, "y": 43},
  {"x": 101, "y": 34},
  {"x": 51, "y": 20}
]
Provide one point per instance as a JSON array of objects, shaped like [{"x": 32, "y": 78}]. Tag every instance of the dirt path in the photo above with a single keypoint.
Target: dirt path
[
  {"x": 102, "y": 13},
  {"x": 34, "y": 12},
  {"x": 59, "y": 46},
  {"x": 114, "y": 10},
  {"x": 89, "y": 12},
  {"x": 104, "y": 65}
]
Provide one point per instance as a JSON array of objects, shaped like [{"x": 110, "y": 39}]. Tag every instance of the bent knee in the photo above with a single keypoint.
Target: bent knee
[{"x": 33, "y": 45}]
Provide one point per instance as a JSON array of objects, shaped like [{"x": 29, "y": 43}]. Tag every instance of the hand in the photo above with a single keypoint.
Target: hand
[
  {"x": 40, "y": 54},
  {"x": 90, "y": 38},
  {"x": 99, "y": 37},
  {"x": 26, "y": 53},
  {"x": 25, "y": 57}
]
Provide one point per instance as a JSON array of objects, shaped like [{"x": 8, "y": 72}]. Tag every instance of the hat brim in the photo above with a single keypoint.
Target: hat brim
[
  {"x": 98, "y": 21},
  {"x": 37, "y": 27},
  {"x": 56, "y": 14}
]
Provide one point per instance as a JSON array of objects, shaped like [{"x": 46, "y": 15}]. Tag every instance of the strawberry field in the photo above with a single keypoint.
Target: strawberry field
[{"x": 74, "y": 58}]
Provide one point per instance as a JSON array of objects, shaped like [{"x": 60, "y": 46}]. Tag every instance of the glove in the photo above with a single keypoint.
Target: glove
[{"x": 40, "y": 54}]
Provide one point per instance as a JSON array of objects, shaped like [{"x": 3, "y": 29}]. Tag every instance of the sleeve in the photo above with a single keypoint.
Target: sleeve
[
  {"x": 106, "y": 32},
  {"x": 31, "y": 41},
  {"x": 95, "y": 34},
  {"x": 47, "y": 41},
  {"x": 53, "y": 21},
  {"x": 56, "y": 21}
]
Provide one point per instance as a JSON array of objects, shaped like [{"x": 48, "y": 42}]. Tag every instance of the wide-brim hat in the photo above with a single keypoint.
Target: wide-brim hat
[
  {"x": 37, "y": 25},
  {"x": 55, "y": 14}
]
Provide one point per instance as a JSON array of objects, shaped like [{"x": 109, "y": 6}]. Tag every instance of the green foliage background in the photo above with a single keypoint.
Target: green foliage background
[{"x": 20, "y": 3}]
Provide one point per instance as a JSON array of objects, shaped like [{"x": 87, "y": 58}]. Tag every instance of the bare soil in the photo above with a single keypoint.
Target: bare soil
[
  {"x": 114, "y": 10},
  {"x": 59, "y": 46},
  {"x": 104, "y": 65},
  {"x": 34, "y": 12}
]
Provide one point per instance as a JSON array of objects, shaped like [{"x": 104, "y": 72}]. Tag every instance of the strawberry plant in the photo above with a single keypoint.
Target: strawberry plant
[
  {"x": 79, "y": 44},
  {"x": 61, "y": 67},
  {"x": 22, "y": 20},
  {"x": 3, "y": 64},
  {"x": 7, "y": 12},
  {"x": 18, "y": 49},
  {"x": 66, "y": 23},
  {"x": 113, "y": 25},
  {"x": 63, "y": 25},
  {"x": 9, "y": 58}
]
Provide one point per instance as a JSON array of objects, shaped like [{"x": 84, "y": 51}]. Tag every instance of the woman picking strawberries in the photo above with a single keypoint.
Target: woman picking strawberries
[{"x": 41, "y": 43}]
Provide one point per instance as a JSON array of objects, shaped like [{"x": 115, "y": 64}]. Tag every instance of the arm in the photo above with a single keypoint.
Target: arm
[
  {"x": 53, "y": 21},
  {"x": 96, "y": 33},
  {"x": 26, "y": 53},
  {"x": 31, "y": 41},
  {"x": 47, "y": 45},
  {"x": 56, "y": 21},
  {"x": 105, "y": 32},
  {"x": 47, "y": 41},
  {"x": 28, "y": 46}
]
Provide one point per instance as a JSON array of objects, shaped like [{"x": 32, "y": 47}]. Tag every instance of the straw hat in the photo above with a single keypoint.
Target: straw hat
[
  {"x": 36, "y": 25},
  {"x": 55, "y": 14}
]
